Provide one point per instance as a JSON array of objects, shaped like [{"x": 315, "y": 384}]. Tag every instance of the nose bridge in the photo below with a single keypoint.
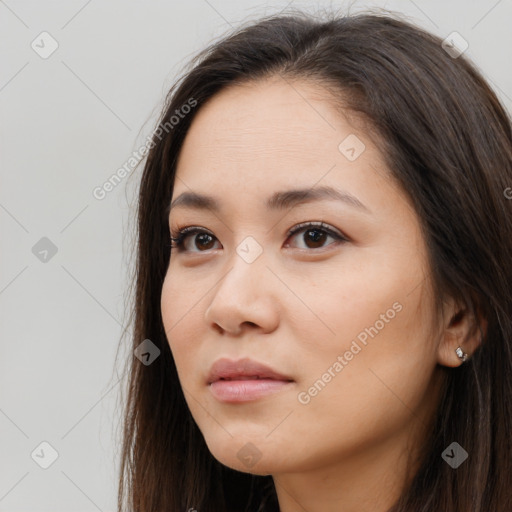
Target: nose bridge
[
  {"x": 243, "y": 295},
  {"x": 247, "y": 269}
]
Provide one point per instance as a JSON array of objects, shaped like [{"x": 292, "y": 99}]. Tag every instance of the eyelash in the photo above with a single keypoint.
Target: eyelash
[{"x": 183, "y": 233}]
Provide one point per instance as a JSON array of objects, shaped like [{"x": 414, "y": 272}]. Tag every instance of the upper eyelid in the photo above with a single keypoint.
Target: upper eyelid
[
  {"x": 301, "y": 225},
  {"x": 191, "y": 230},
  {"x": 315, "y": 224}
]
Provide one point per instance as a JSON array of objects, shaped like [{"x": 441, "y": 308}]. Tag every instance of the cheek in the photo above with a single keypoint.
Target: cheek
[
  {"x": 375, "y": 355},
  {"x": 359, "y": 304},
  {"x": 180, "y": 316},
  {"x": 375, "y": 395},
  {"x": 179, "y": 302}
]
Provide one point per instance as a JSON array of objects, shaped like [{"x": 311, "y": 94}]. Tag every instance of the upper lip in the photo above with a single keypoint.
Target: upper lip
[{"x": 229, "y": 369}]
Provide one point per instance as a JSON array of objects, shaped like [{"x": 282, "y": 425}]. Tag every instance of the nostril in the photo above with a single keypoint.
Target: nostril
[{"x": 222, "y": 330}]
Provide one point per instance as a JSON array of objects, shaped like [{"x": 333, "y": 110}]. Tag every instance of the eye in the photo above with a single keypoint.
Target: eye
[
  {"x": 315, "y": 235},
  {"x": 183, "y": 234}
]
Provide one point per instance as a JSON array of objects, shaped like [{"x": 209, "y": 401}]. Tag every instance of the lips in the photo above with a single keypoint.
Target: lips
[{"x": 243, "y": 369}]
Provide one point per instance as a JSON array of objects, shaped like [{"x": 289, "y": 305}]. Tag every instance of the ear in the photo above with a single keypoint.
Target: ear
[{"x": 463, "y": 328}]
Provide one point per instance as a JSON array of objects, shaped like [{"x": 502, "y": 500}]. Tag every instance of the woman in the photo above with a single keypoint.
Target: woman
[{"x": 324, "y": 265}]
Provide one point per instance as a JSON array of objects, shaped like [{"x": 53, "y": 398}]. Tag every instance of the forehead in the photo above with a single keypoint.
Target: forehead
[
  {"x": 273, "y": 131},
  {"x": 266, "y": 115}
]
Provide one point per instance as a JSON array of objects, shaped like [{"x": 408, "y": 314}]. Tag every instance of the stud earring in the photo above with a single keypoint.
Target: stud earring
[{"x": 461, "y": 354}]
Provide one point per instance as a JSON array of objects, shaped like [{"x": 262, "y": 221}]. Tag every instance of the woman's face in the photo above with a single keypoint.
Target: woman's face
[{"x": 342, "y": 311}]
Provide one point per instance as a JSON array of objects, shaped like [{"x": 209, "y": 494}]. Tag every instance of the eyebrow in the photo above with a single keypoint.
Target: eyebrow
[{"x": 278, "y": 201}]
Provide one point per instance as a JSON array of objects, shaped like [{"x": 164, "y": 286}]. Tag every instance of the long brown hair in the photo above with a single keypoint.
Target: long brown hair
[{"x": 448, "y": 143}]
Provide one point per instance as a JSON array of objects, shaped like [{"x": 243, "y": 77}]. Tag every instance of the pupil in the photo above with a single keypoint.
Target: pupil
[
  {"x": 204, "y": 237},
  {"x": 318, "y": 237}
]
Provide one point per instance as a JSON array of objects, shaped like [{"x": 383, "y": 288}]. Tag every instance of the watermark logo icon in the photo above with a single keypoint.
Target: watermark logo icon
[
  {"x": 147, "y": 352},
  {"x": 455, "y": 45},
  {"x": 249, "y": 455},
  {"x": 44, "y": 45},
  {"x": 44, "y": 455},
  {"x": 351, "y": 147},
  {"x": 249, "y": 249},
  {"x": 454, "y": 455},
  {"x": 44, "y": 250}
]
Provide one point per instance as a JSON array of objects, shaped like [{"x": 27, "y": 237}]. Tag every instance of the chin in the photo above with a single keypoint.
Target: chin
[
  {"x": 258, "y": 469},
  {"x": 247, "y": 455}
]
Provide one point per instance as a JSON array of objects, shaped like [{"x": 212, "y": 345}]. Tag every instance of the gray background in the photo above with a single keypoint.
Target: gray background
[{"x": 68, "y": 122}]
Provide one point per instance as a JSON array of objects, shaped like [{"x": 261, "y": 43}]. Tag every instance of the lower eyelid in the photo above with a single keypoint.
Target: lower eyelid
[{"x": 192, "y": 231}]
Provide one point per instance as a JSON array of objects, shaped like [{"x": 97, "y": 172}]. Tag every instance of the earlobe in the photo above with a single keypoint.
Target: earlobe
[
  {"x": 452, "y": 351},
  {"x": 461, "y": 337}
]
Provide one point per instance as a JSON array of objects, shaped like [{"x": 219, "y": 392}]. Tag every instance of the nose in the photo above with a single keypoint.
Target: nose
[{"x": 244, "y": 299}]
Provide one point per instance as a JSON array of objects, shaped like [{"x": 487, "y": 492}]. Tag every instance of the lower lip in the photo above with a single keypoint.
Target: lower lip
[{"x": 245, "y": 390}]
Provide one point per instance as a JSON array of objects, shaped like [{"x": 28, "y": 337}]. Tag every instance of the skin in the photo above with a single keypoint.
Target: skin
[{"x": 297, "y": 307}]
